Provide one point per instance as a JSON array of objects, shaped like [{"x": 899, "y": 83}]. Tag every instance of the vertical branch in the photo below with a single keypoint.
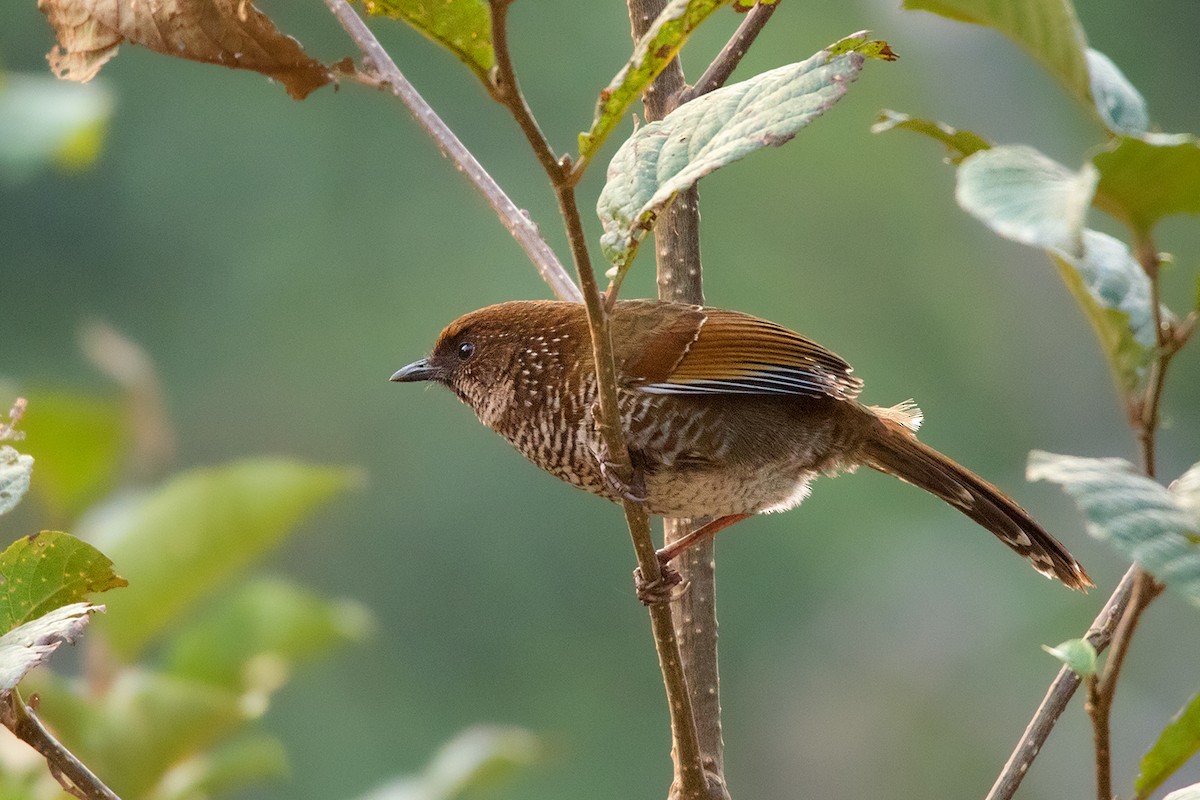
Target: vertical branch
[
  {"x": 690, "y": 781},
  {"x": 680, "y": 280}
]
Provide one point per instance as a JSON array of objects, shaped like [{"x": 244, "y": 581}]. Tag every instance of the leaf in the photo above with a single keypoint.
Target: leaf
[
  {"x": 1119, "y": 104},
  {"x": 180, "y": 541},
  {"x": 141, "y": 725},
  {"x": 1142, "y": 520},
  {"x": 1078, "y": 654},
  {"x": 1178, "y": 742},
  {"x": 229, "y": 767},
  {"x": 78, "y": 442},
  {"x": 32, "y": 643},
  {"x": 232, "y": 33},
  {"x": 1047, "y": 29},
  {"x": 1186, "y": 489},
  {"x": 670, "y": 155},
  {"x": 1114, "y": 292},
  {"x": 1186, "y": 793},
  {"x": 1145, "y": 179},
  {"x": 1025, "y": 196},
  {"x": 15, "y": 470},
  {"x": 257, "y": 632},
  {"x": 44, "y": 121},
  {"x": 464, "y": 27},
  {"x": 470, "y": 759},
  {"x": 960, "y": 143},
  {"x": 50, "y": 569},
  {"x": 661, "y": 43}
]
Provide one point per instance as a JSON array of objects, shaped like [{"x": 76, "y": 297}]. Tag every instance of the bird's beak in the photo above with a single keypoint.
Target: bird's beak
[{"x": 417, "y": 371}]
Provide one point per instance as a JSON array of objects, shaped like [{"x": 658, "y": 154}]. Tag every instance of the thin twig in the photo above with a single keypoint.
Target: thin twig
[
  {"x": 1058, "y": 695},
  {"x": 608, "y": 417},
  {"x": 383, "y": 72},
  {"x": 731, "y": 54},
  {"x": 69, "y": 771}
]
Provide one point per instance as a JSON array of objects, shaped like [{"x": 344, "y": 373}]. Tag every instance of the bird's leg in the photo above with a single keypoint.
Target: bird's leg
[
  {"x": 703, "y": 532},
  {"x": 635, "y": 488}
]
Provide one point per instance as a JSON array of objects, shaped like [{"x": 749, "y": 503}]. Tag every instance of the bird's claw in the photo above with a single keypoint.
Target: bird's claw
[
  {"x": 663, "y": 590},
  {"x": 634, "y": 489}
]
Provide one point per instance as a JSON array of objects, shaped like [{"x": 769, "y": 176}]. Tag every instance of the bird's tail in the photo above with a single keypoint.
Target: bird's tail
[{"x": 893, "y": 448}]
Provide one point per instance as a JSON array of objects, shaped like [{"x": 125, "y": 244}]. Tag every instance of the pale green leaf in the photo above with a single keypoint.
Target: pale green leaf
[
  {"x": 1145, "y": 179},
  {"x": 50, "y": 569},
  {"x": 1025, "y": 196},
  {"x": 184, "y": 539},
  {"x": 15, "y": 469},
  {"x": 959, "y": 143},
  {"x": 1138, "y": 517},
  {"x": 253, "y": 636},
  {"x": 662, "y": 41},
  {"x": 1077, "y": 654},
  {"x": 1186, "y": 793},
  {"x": 229, "y": 767},
  {"x": 45, "y": 122},
  {"x": 666, "y": 157},
  {"x": 1186, "y": 489},
  {"x": 1178, "y": 742},
  {"x": 31, "y": 644},
  {"x": 473, "y": 758},
  {"x": 1047, "y": 29},
  {"x": 78, "y": 442},
  {"x": 464, "y": 27},
  {"x": 1114, "y": 292},
  {"x": 1119, "y": 104}
]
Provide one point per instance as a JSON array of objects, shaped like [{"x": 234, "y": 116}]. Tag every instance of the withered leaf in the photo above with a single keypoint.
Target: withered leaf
[{"x": 232, "y": 33}]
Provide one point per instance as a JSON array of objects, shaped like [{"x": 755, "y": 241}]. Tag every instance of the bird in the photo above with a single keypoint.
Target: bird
[{"x": 725, "y": 415}]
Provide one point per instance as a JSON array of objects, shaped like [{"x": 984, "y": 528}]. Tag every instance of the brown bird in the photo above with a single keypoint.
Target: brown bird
[{"x": 725, "y": 414}]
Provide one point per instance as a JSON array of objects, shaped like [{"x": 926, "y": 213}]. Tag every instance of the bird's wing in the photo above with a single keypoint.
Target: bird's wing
[{"x": 711, "y": 351}]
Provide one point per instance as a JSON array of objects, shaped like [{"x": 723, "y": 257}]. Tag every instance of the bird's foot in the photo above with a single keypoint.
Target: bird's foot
[
  {"x": 634, "y": 489},
  {"x": 663, "y": 590}
]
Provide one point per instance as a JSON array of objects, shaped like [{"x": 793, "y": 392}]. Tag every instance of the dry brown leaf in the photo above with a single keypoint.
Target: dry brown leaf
[{"x": 232, "y": 33}]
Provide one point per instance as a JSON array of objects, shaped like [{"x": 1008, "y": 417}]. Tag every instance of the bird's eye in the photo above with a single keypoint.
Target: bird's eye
[{"x": 465, "y": 350}]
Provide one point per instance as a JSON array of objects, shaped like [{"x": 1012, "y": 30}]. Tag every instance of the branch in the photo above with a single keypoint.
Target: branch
[
  {"x": 731, "y": 54},
  {"x": 383, "y": 73},
  {"x": 1059, "y": 694},
  {"x": 68, "y": 770},
  {"x": 686, "y": 749}
]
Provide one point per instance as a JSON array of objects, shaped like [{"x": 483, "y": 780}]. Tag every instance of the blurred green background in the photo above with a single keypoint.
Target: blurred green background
[{"x": 279, "y": 260}]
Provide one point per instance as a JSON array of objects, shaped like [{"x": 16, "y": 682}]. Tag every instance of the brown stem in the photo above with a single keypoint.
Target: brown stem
[
  {"x": 69, "y": 771},
  {"x": 731, "y": 54},
  {"x": 685, "y": 748},
  {"x": 382, "y": 72}
]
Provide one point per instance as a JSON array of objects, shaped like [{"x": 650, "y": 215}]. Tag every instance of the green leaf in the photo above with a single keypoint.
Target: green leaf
[
  {"x": 31, "y": 644},
  {"x": 182, "y": 540},
  {"x": 464, "y": 27},
  {"x": 142, "y": 725},
  {"x": 473, "y": 758},
  {"x": 1186, "y": 793},
  {"x": 1177, "y": 743},
  {"x": 1025, "y": 196},
  {"x": 1121, "y": 107},
  {"x": 50, "y": 569},
  {"x": 660, "y": 44},
  {"x": 15, "y": 470},
  {"x": 666, "y": 157},
  {"x": 230, "y": 767},
  {"x": 45, "y": 122},
  {"x": 960, "y": 143},
  {"x": 1078, "y": 654},
  {"x": 1114, "y": 292},
  {"x": 78, "y": 443},
  {"x": 252, "y": 636},
  {"x": 1047, "y": 29},
  {"x": 1139, "y": 518},
  {"x": 1145, "y": 179}
]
